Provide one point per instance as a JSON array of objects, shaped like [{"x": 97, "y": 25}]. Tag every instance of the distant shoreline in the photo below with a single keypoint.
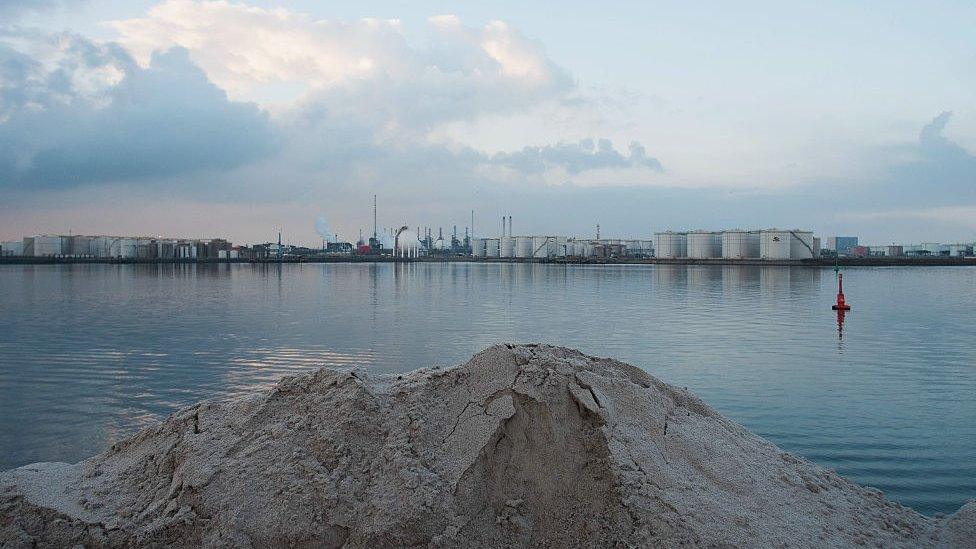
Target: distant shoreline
[{"x": 824, "y": 262}]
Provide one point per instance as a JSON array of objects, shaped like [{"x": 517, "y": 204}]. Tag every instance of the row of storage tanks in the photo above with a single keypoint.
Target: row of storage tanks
[
  {"x": 558, "y": 246},
  {"x": 83, "y": 246},
  {"x": 738, "y": 244},
  {"x": 731, "y": 244}
]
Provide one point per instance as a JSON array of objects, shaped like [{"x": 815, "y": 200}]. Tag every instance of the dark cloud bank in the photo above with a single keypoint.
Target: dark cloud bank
[
  {"x": 165, "y": 120},
  {"x": 169, "y": 120}
]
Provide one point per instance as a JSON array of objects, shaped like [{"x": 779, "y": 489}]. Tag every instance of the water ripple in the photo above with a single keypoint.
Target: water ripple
[{"x": 91, "y": 353}]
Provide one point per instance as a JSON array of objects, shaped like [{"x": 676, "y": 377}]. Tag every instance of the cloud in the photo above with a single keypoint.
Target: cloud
[
  {"x": 236, "y": 96},
  {"x": 366, "y": 68},
  {"x": 13, "y": 8},
  {"x": 934, "y": 146},
  {"x": 74, "y": 112},
  {"x": 939, "y": 172},
  {"x": 963, "y": 215},
  {"x": 576, "y": 157}
]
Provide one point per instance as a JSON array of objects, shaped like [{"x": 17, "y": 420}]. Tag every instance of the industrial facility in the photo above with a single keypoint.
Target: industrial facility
[
  {"x": 791, "y": 244},
  {"x": 508, "y": 245},
  {"x": 118, "y": 247},
  {"x": 406, "y": 243}
]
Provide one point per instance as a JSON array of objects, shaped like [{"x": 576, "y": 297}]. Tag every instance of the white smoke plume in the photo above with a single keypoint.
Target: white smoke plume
[{"x": 322, "y": 227}]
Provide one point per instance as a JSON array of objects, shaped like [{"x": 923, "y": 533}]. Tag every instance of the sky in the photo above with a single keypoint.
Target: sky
[{"x": 206, "y": 119}]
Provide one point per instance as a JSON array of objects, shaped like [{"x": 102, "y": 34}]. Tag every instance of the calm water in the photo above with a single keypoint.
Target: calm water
[{"x": 88, "y": 354}]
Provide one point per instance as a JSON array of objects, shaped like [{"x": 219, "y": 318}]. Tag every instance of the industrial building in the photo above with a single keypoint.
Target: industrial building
[
  {"x": 935, "y": 249},
  {"x": 841, "y": 245},
  {"x": 886, "y": 251}
]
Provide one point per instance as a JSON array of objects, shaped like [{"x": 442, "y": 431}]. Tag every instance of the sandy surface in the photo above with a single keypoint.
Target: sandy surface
[{"x": 522, "y": 446}]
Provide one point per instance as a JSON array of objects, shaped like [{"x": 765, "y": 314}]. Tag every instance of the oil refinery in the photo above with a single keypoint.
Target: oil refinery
[{"x": 420, "y": 243}]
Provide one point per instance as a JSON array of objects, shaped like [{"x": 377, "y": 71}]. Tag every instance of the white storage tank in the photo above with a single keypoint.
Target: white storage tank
[
  {"x": 816, "y": 247},
  {"x": 541, "y": 246},
  {"x": 43, "y": 246},
  {"x": 561, "y": 245},
  {"x": 801, "y": 244},
  {"x": 523, "y": 246},
  {"x": 571, "y": 248},
  {"x": 12, "y": 247},
  {"x": 102, "y": 246},
  {"x": 960, "y": 250},
  {"x": 670, "y": 244},
  {"x": 491, "y": 247},
  {"x": 739, "y": 244},
  {"x": 477, "y": 247},
  {"x": 632, "y": 248},
  {"x": 507, "y": 247},
  {"x": 774, "y": 244},
  {"x": 704, "y": 244},
  {"x": 129, "y": 248}
]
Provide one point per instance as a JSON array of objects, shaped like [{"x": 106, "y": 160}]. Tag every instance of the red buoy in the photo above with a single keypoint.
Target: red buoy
[{"x": 841, "y": 304}]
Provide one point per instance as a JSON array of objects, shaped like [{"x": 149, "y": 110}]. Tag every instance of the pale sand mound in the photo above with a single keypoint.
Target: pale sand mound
[{"x": 523, "y": 445}]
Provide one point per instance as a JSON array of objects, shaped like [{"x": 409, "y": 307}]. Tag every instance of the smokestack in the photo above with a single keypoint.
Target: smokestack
[
  {"x": 510, "y": 226},
  {"x": 503, "y": 226}
]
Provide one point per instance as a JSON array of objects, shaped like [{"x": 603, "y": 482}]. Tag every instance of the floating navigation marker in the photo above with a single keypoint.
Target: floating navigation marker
[{"x": 841, "y": 304}]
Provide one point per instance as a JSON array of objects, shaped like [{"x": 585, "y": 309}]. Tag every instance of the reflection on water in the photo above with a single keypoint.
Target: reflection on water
[{"x": 91, "y": 353}]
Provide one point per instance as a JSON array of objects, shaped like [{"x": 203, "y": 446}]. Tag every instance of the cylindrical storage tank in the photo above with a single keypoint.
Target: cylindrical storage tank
[
  {"x": 540, "y": 246},
  {"x": 774, "y": 244},
  {"x": 670, "y": 245},
  {"x": 507, "y": 247},
  {"x": 478, "y": 247},
  {"x": 701, "y": 244},
  {"x": 561, "y": 245},
  {"x": 571, "y": 248},
  {"x": 739, "y": 244},
  {"x": 491, "y": 247},
  {"x": 801, "y": 244},
  {"x": 589, "y": 249},
  {"x": 523, "y": 246},
  {"x": 816, "y": 247}
]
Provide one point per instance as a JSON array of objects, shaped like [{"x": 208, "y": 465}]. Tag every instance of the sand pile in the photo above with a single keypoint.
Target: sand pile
[{"x": 521, "y": 446}]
